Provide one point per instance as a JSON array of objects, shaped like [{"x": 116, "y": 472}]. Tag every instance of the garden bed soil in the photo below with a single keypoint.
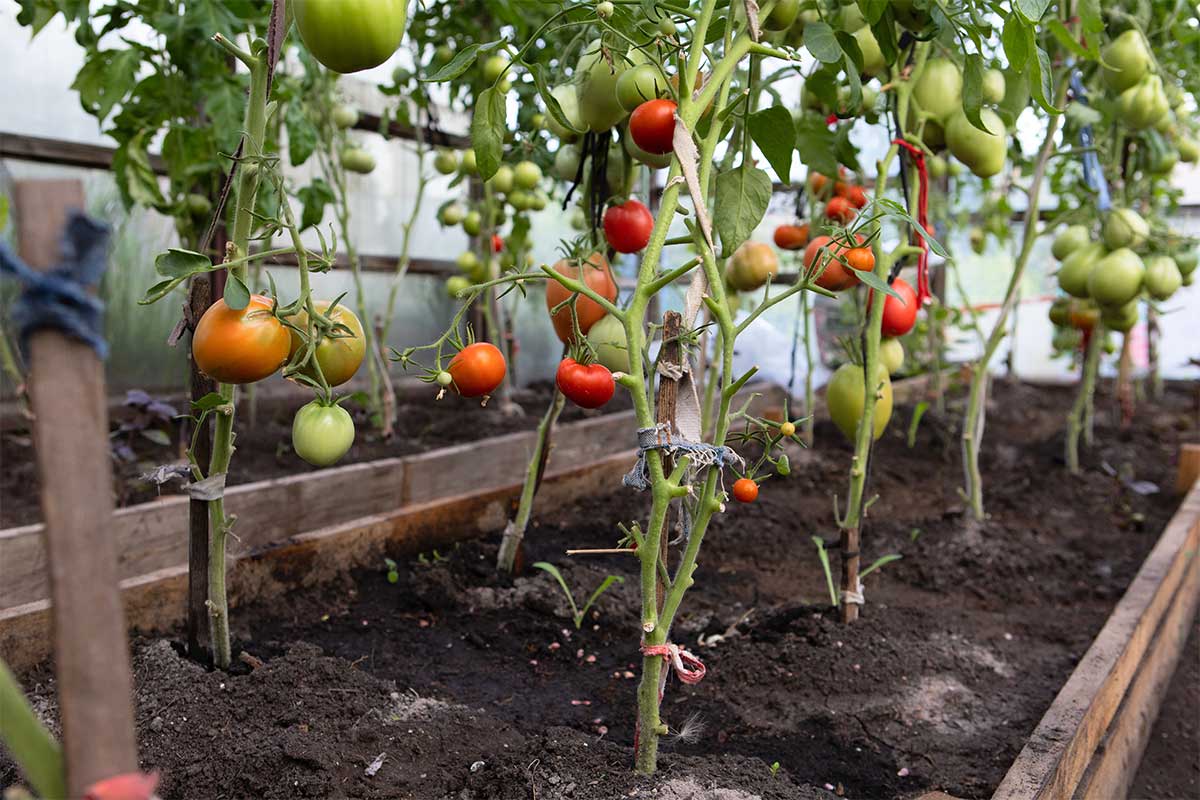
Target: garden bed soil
[
  {"x": 472, "y": 686},
  {"x": 264, "y": 450}
]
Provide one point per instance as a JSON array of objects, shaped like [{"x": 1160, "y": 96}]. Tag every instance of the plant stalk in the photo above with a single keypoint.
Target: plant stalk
[
  {"x": 514, "y": 532},
  {"x": 1078, "y": 420}
]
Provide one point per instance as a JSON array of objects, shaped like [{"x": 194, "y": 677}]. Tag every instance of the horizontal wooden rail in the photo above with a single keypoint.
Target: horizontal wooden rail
[
  {"x": 60, "y": 151},
  {"x": 1089, "y": 743},
  {"x": 376, "y": 263}
]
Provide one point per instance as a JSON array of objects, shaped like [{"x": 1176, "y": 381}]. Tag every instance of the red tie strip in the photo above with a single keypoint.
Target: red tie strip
[{"x": 918, "y": 158}]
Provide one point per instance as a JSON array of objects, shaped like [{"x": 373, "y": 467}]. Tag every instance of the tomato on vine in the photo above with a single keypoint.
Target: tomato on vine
[
  {"x": 745, "y": 490},
  {"x": 840, "y": 209},
  {"x": 351, "y": 40},
  {"x": 585, "y": 385},
  {"x": 339, "y": 355},
  {"x": 322, "y": 433},
  {"x": 791, "y": 237},
  {"x": 477, "y": 370},
  {"x": 240, "y": 346},
  {"x": 899, "y": 315},
  {"x": 628, "y": 226},
  {"x": 822, "y": 256},
  {"x": 595, "y": 273},
  {"x": 652, "y": 126}
]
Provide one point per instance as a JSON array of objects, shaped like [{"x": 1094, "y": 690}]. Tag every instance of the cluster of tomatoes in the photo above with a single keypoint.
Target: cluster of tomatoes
[
  {"x": 245, "y": 346},
  {"x": 587, "y": 383}
]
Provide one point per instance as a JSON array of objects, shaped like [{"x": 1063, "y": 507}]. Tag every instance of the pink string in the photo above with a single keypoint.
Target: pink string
[{"x": 687, "y": 666}]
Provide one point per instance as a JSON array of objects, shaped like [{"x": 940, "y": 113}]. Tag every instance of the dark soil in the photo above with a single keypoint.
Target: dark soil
[
  {"x": 473, "y": 686},
  {"x": 1171, "y": 767},
  {"x": 265, "y": 449}
]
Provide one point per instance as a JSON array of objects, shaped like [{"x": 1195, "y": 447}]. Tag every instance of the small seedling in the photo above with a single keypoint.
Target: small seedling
[
  {"x": 393, "y": 574},
  {"x": 577, "y": 614},
  {"x": 774, "y": 769}
]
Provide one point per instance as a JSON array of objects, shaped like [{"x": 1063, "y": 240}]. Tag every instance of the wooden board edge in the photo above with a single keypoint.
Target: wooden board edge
[
  {"x": 156, "y": 602},
  {"x": 1057, "y": 753},
  {"x": 1113, "y": 769}
]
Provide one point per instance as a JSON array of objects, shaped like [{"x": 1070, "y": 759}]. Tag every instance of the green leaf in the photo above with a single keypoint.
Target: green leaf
[
  {"x": 1031, "y": 10},
  {"x": 1089, "y": 16},
  {"x": 105, "y": 79},
  {"x": 851, "y": 52},
  {"x": 552, "y": 105},
  {"x": 487, "y": 132},
  {"x": 845, "y": 150},
  {"x": 209, "y": 402},
  {"x": 301, "y": 133},
  {"x": 872, "y": 10},
  {"x": 315, "y": 197},
  {"x": 1040, "y": 85},
  {"x": 774, "y": 132},
  {"x": 816, "y": 145},
  {"x": 820, "y": 40},
  {"x": 972, "y": 92},
  {"x": 177, "y": 263},
  {"x": 881, "y": 561},
  {"x": 132, "y": 161},
  {"x": 894, "y": 209},
  {"x": 1067, "y": 40},
  {"x": 874, "y": 281},
  {"x": 1015, "y": 38},
  {"x": 158, "y": 437},
  {"x": 743, "y": 195},
  {"x": 462, "y": 61},
  {"x": 601, "y": 589},
  {"x": 237, "y": 294}
]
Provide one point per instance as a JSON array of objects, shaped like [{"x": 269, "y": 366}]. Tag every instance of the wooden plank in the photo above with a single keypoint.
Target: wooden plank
[
  {"x": 368, "y": 121},
  {"x": 156, "y": 602},
  {"x": 417, "y": 265},
  {"x": 1112, "y": 772},
  {"x": 1058, "y": 752},
  {"x": 1189, "y": 467},
  {"x": 60, "y": 151}
]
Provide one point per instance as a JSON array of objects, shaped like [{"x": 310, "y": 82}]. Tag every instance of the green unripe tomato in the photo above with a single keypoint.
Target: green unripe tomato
[
  {"x": 599, "y": 109},
  {"x": 494, "y": 67},
  {"x": 472, "y": 223},
  {"x": 1120, "y": 318},
  {"x": 639, "y": 84},
  {"x": 568, "y": 101},
  {"x": 467, "y": 261},
  {"x": 1126, "y": 60},
  {"x": 619, "y": 172},
  {"x": 1189, "y": 149},
  {"x": 198, "y": 205},
  {"x": 467, "y": 164},
  {"x": 782, "y": 16},
  {"x": 1069, "y": 240},
  {"x": 994, "y": 86},
  {"x": 666, "y": 26},
  {"x": 891, "y": 355},
  {"x": 566, "y": 163},
  {"x": 605, "y": 9},
  {"x": 652, "y": 160},
  {"x": 443, "y": 54},
  {"x": 983, "y": 152},
  {"x": 578, "y": 219},
  {"x": 527, "y": 175},
  {"x": 1117, "y": 278},
  {"x": 452, "y": 214},
  {"x": 1060, "y": 311},
  {"x": 520, "y": 200},
  {"x": 446, "y": 161},
  {"x": 401, "y": 76},
  {"x": 978, "y": 240},
  {"x": 350, "y": 40},
  {"x": 444, "y": 378},
  {"x": 1144, "y": 104},
  {"x": 1077, "y": 266},
  {"x": 538, "y": 121},
  {"x": 873, "y": 62},
  {"x": 503, "y": 180},
  {"x": 937, "y": 166},
  {"x": 345, "y": 116},
  {"x": 322, "y": 434},
  {"x": 1187, "y": 261},
  {"x": 1163, "y": 277},
  {"x": 938, "y": 90},
  {"x": 1124, "y": 227},
  {"x": 607, "y": 338},
  {"x": 846, "y": 397},
  {"x": 850, "y": 17},
  {"x": 355, "y": 159},
  {"x": 456, "y": 284}
]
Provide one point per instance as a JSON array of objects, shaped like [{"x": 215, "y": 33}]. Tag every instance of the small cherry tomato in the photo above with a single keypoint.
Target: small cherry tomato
[
  {"x": 652, "y": 126},
  {"x": 585, "y": 385},
  {"x": 477, "y": 369},
  {"x": 497, "y": 243},
  {"x": 628, "y": 226},
  {"x": 821, "y": 256},
  {"x": 791, "y": 237},
  {"x": 745, "y": 490}
]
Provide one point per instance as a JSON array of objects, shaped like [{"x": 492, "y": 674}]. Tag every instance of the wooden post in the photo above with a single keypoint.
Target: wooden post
[
  {"x": 665, "y": 402},
  {"x": 70, "y": 431},
  {"x": 1189, "y": 468},
  {"x": 200, "y": 297}
]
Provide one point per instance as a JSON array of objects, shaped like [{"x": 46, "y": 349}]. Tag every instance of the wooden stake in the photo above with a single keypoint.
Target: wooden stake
[
  {"x": 70, "y": 431},
  {"x": 1189, "y": 468},
  {"x": 200, "y": 295},
  {"x": 665, "y": 402}
]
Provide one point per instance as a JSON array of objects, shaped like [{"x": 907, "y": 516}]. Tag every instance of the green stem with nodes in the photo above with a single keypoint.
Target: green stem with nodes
[
  {"x": 1078, "y": 420},
  {"x": 972, "y": 434},
  {"x": 810, "y": 418},
  {"x": 223, "y": 437}
]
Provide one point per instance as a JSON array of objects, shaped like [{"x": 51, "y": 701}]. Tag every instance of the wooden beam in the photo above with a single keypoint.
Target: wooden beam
[
  {"x": 377, "y": 263},
  {"x": 368, "y": 121},
  {"x": 1061, "y": 748},
  {"x": 60, "y": 151}
]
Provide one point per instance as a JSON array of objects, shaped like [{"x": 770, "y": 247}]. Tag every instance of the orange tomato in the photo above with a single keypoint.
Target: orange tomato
[
  {"x": 861, "y": 259},
  {"x": 598, "y": 277},
  {"x": 745, "y": 490},
  {"x": 841, "y": 209},
  {"x": 477, "y": 369},
  {"x": 791, "y": 237},
  {"x": 835, "y": 276},
  {"x": 855, "y": 194},
  {"x": 240, "y": 346}
]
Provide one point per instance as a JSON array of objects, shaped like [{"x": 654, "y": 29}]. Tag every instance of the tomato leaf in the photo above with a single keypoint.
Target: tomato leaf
[
  {"x": 237, "y": 294},
  {"x": 1067, "y": 40},
  {"x": 872, "y": 10},
  {"x": 972, "y": 91},
  {"x": 177, "y": 263},
  {"x": 1089, "y": 15},
  {"x": 846, "y": 152},
  {"x": 132, "y": 162},
  {"x": 743, "y": 195},
  {"x": 822, "y": 43},
  {"x": 106, "y": 78},
  {"x": 1040, "y": 86},
  {"x": 851, "y": 51},
  {"x": 552, "y": 105},
  {"x": 774, "y": 132},
  {"x": 1031, "y": 10},
  {"x": 1016, "y": 43},
  {"x": 896, "y": 210},
  {"x": 315, "y": 197},
  {"x": 209, "y": 402},
  {"x": 462, "y": 61},
  {"x": 815, "y": 143},
  {"x": 487, "y": 132},
  {"x": 301, "y": 134},
  {"x": 874, "y": 281}
]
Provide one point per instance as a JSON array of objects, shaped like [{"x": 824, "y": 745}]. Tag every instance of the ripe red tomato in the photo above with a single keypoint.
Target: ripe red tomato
[
  {"x": 791, "y": 237},
  {"x": 597, "y": 275},
  {"x": 822, "y": 252},
  {"x": 240, "y": 346},
  {"x": 840, "y": 209},
  {"x": 627, "y": 226},
  {"x": 497, "y": 243},
  {"x": 818, "y": 183},
  {"x": 899, "y": 316},
  {"x": 585, "y": 385},
  {"x": 861, "y": 259},
  {"x": 855, "y": 194},
  {"x": 477, "y": 369},
  {"x": 745, "y": 490},
  {"x": 652, "y": 126}
]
